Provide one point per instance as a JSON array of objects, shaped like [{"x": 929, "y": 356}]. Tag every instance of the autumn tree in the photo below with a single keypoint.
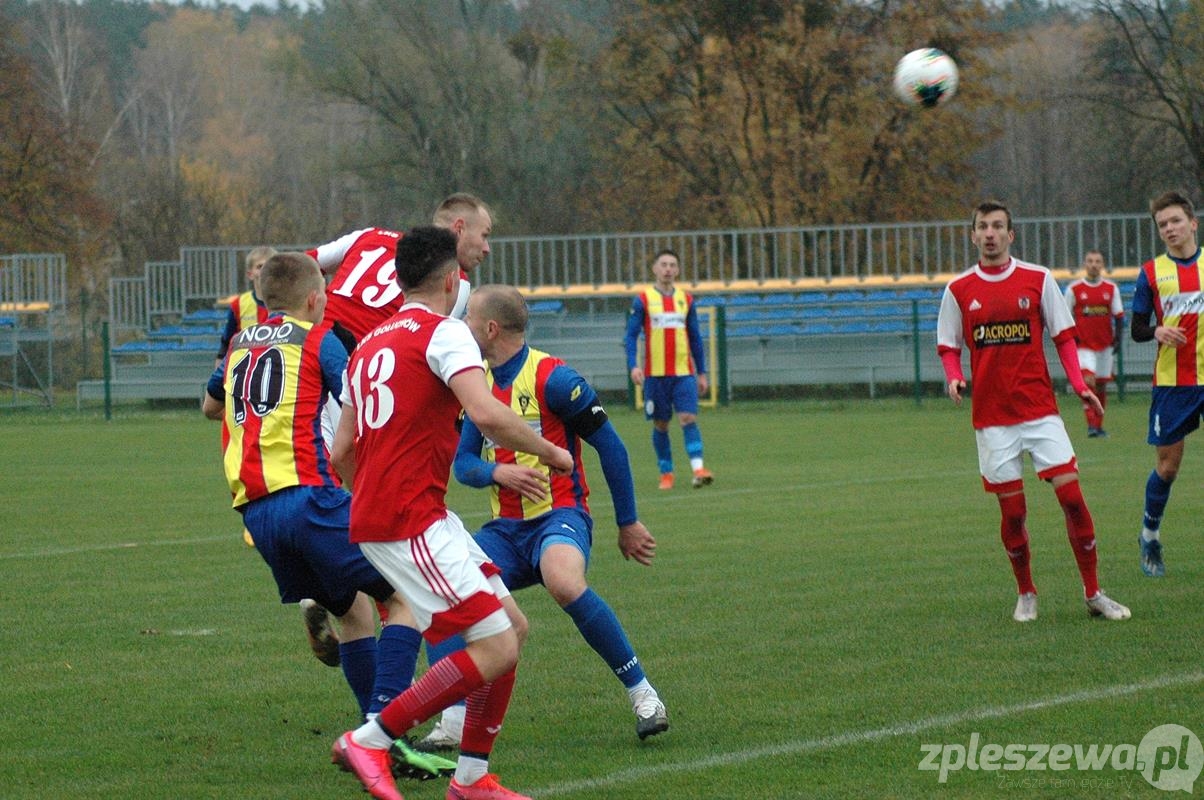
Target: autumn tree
[
  {"x": 459, "y": 96},
  {"x": 1152, "y": 68},
  {"x": 777, "y": 113},
  {"x": 45, "y": 189}
]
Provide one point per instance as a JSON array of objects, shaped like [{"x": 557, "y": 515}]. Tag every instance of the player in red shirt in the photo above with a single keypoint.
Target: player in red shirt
[
  {"x": 1099, "y": 317},
  {"x": 407, "y": 381},
  {"x": 999, "y": 309},
  {"x": 363, "y": 291}
]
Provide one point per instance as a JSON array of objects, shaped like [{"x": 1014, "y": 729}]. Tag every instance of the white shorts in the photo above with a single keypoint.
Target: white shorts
[
  {"x": 1000, "y": 451},
  {"x": 1097, "y": 362},
  {"x": 448, "y": 582}
]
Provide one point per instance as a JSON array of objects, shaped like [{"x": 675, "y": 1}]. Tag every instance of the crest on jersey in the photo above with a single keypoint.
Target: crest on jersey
[
  {"x": 1024, "y": 303},
  {"x": 524, "y": 402}
]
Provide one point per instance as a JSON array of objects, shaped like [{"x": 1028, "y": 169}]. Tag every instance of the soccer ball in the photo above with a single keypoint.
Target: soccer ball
[{"x": 926, "y": 77}]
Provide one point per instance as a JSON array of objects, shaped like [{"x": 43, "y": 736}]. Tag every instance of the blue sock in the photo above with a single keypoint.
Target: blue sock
[
  {"x": 1157, "y": 493},
  {"x": 602, "y": 631},
  {"x": 693, "y": 438},
  {"x": 396, "y": 657},
  {"x": 358, "y": 659},
  {"x": 664, "y": 454},
  {"x": 438, "y": 652}
]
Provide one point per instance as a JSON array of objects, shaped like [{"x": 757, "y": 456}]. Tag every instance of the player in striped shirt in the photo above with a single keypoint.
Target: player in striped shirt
[
  {"x": 674, "y": 370},
  {"x": 1000, "y": 309},
  {"x": 1098, "y": 317},
  {"x": 541, "y": 531},
  {"x": 270, "y": 390},
  {"x": 1170, "y": 292}
]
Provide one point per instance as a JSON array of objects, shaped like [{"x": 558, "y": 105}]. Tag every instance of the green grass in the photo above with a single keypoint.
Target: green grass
[{"x": 838, "y": 598}]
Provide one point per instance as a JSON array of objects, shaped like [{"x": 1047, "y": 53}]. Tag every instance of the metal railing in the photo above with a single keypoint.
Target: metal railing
[
  {"x": 814, "y": 256},
  {"x": 34, "y": 278}
]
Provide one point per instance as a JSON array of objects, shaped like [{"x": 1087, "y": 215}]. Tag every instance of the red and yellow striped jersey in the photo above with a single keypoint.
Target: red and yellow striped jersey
[
  {"x": 666, "y": 341},
  {"x": 1178, "y": 293},
  {"x": 526, "y": 395},
  {"x": 274, "y": 390},
  {"x": 247, "y": 311}
]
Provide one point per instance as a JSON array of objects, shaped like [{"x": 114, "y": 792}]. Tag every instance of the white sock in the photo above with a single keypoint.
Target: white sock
[
  {"x": 372, "y": 736},
  {"x": 452, "y": 720},
  {"x": 1149, "y": 535},
  {"x": 469, "y": 770},
  {"x": 695, "y": 464}
]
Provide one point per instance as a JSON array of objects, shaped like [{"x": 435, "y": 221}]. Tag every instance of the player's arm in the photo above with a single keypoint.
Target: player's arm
[
  {"x": 332, "y": 356},
  {"x": 697, "y": 351},
  {"x": 213, "y": 404},
  {"x": 575, "y": 402},
  {"x": 472, "y": 470},
  {"x": 499, "y": 422},
  {"x": 227, "y": 334},
  {"x": 330, "y": 255},
  {"x": 631, "y": 340},
  {"x": 1060, "y": 324},
  {"x": 1140, "y": 327},
  {"x": 949, "y": 343}
]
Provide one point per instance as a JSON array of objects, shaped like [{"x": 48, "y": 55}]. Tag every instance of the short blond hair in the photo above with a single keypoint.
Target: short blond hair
[{"x": 287, "y": 279}]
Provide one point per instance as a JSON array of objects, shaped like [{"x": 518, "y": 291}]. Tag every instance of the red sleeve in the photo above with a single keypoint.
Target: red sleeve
[
  {"x": 951, "y": 360},
  {"x": 1068, "y": 353}
]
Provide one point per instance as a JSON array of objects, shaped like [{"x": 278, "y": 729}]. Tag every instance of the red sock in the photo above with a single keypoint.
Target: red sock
[
  {"x": 483, "y": 715},
  {"x": 450, "y": 679},
  {"x": 1015, "y": 540},
  {"x": 1081, "y": 530}
]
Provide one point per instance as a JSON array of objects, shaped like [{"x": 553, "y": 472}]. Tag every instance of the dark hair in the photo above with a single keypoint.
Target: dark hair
[
  {"x": 986, "y": 207},
  {"x": 287, "y": 279},
  {"x": 666, "y": 252},
  {"x": 1172, "y": 198},
  {"x": 424, "y": 253}
]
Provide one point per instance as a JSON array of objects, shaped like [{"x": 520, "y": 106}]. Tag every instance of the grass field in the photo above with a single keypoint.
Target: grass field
[{"x": 836, "y": 600}]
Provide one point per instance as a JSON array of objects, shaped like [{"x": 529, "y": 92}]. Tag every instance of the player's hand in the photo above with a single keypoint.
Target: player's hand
[
  {"x": 703, "y": 383},
  {"x": 1170, "y": 335},
  {"x": 954, "y": 389},
  {"x": 559, "y": 461},
  {"x": 637, "y": 376},
  {"x": 531, "y": 483},
  {"x": 1091, "y": 402},
  {"x": 636, "y": 542}
]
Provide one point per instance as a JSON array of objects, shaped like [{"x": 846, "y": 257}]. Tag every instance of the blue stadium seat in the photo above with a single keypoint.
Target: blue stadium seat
[
  {"x": 206, "y": 315},
  {"x": 744, "y": 300},
  {"x": 848, "y": 297},
  {"x": 710, "y": 300},
  {"x": 812, "y": 297},
  {"x": 545, "y": 307},
  {"x": 814, "y": 312},
  {"x": 777, "y": 299},
  {"x": 7, "y": 322},
  {"x": 855, "y": 327},
  {"x": 819, "y": 328}
]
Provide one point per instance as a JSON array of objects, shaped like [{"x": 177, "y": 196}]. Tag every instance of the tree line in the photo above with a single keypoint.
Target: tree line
[{"x": 132, "y": 128}]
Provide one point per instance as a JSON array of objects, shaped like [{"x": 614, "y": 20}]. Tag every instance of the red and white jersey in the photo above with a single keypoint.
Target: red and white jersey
[
  {"x": 1001, "y": 314},
  {"x": 363, "y": 291},
  {"x": 405, "y": 418},
  {"x": 1095, "y": 306}
]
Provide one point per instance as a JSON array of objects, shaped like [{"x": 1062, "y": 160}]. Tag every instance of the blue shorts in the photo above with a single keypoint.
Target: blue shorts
[
  {"x": 663, "y": 395},
  {"x": 301, "y": 532},
  {"x": 516, "y": 545},
  {"x": 1174, "y": 412}
]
